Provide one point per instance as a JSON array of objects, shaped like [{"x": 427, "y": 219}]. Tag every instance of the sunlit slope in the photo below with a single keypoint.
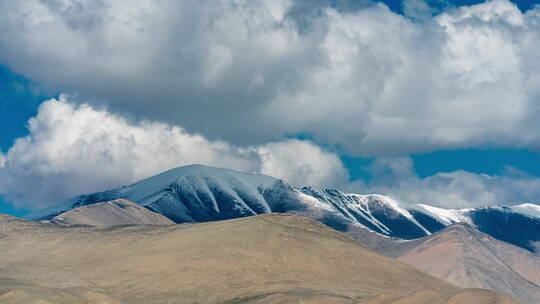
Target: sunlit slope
[
  {"x": 112, "y": 213},
  {"x": 261, "y": 259},
  {"x": 16, "y": 292},
  {"x": 467, "y": 257}
]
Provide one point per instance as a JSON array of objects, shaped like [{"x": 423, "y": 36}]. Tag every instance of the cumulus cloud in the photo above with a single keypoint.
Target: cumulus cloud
[
  {"x": 74, "y": 149},
  {"x": 458, "y": 189},
  {"x": 301, "y": 163},
  {"x": 231, "y": 80},
  {"x": 355, "y": 76},
  {"x": 2, "y": 159}
]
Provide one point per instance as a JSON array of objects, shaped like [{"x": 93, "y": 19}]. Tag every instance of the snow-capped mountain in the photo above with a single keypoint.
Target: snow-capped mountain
[{"x": 199, "y": 193}]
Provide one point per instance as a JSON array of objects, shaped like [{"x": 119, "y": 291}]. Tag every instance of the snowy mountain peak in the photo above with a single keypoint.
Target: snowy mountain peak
[
  {"x": 203, "y": 183},
  {"x": 200, "y": 193}
]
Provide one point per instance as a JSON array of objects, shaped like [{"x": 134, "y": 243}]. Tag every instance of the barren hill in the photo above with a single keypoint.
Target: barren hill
[
  {"x": 469, "y": 258},
  {"x": 112, "y": 213},
  {"x": 16, "y": 292},
  {"x": 261, "y": 259}
]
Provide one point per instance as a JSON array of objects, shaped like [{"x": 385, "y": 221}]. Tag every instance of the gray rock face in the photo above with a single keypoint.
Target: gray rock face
[{"x": 112, "y": 213}]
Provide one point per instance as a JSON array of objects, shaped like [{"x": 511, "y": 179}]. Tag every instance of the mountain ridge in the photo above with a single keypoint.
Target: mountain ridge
[{"x": 199, "y": 193}]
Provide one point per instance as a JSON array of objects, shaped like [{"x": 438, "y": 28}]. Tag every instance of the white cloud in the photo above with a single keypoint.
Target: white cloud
[
  {"x": 301, "y": 163},
  {"x": 367, "y": 80},
  {"x": 245, "y": 74},
  {"x": 458, "y": 189},
  {"x": 2, "y": 159},
  {"x": 77, "y": 149},
  {"x": 74, "y": 149}
]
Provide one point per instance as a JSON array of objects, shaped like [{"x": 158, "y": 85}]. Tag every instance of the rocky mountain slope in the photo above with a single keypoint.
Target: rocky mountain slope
[
  {"x": 261, "y": 259},
  {"x": 117, "y": 212},
  {"x": 199, "y": 194},
  {"x": 469, "y": 258}
]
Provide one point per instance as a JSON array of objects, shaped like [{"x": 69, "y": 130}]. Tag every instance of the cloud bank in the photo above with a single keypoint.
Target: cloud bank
[
  {"x": 161, "y": 84},
  {"x": 355, "y": 76},
  {"x": 73, "y": 149},
  {"x": 457, "y": 189},
  {"x": 79, "y": 149}
]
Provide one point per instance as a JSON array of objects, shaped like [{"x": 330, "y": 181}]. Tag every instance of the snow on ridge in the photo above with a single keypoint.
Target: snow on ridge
[
  {"x": 164, "y": 179},
  {"x": 528, "y": 209},
  {"x": 360, "y": 202},
  {"x": 400, "y": 207},
  {"x": 394, "y": 204},
  {"x": 446, "y": 216},
  {"x": 397, "y": 206},
  {"x": 311, "y": 202}
]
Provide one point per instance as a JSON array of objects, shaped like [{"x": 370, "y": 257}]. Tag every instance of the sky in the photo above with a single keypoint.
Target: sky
[{"x": 431, "y": 102}]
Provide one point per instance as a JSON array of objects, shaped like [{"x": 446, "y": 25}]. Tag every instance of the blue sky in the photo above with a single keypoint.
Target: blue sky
[
  {"x": 19, "y": 99},
  {"x": 18, "y": 103},
  {"x": 396, "y": 5},
  {"x": 22, "y": 92},
  {"x": 492, "y": 162}
]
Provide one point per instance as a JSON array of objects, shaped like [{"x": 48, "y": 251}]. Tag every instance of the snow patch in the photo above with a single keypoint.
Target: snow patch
[
  {"x": 531, "y": 210},
  {"x": 446, "y": 216}
]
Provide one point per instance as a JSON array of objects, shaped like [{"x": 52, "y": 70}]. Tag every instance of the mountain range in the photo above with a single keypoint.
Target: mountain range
[
  {"x": 199, "y": 193},
  {"x": 493, "y": 247}
]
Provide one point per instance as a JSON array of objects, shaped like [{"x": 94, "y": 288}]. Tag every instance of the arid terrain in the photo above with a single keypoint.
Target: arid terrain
[
  {"x": 469, "y": 258},
  {"x": 263, "y": 259},
  {"x": 16, "y": 292},
  {"x": 113, "y": 213}
]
